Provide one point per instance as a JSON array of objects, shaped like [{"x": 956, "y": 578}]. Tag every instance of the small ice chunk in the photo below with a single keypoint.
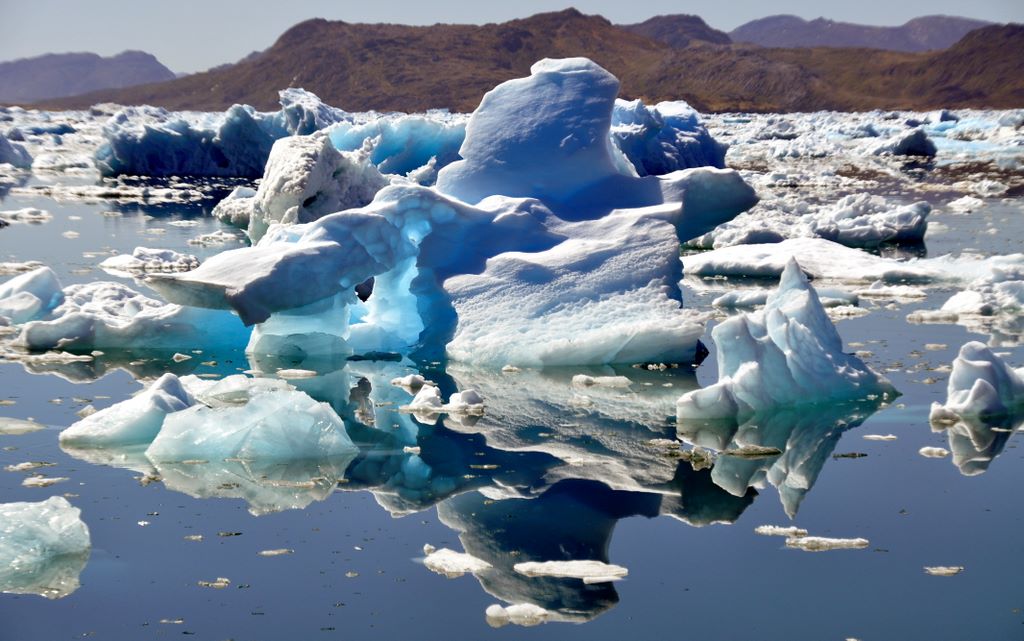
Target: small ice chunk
[
  {"x": 522, "y": 614},
  {"x": 582, "y": 380},
  {"x": 179, "y": 357},
  {"x": 15, "y": 426},
  {"x": 411, "y": 382},
  {"x": 823, "y": 544},
  {"x": 217, "y": 584},
  {"x": 131, "y": 422},
  {"x": 587, "y": 570},
  {"x": 466, "y": 401},
  {"x": 453, "y": 564},
  {"x": 933, "y": 452},
  {"x": 428, "y": 399},
  {"x": 288, "y": 374},
  {"x": 30, "y": 215},
  {"x": 43, "y": 481},
  {"x": 276, "y": 552},
  {"x": 879, "y": 437},
  {"x": 43, "y": 547},
  {"x": 944, "y": 570},
  {"x": 777, "y": 530}
]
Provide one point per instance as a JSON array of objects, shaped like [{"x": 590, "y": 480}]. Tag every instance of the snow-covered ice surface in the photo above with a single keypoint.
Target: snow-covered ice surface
[{"x": 291, "y": 435}]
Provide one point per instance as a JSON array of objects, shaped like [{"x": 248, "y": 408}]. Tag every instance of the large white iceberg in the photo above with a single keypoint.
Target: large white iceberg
[
  {"x": 43, "y": 547},
  {"x": 787, "y": 354},
  {"x": 536, "y": 231}
]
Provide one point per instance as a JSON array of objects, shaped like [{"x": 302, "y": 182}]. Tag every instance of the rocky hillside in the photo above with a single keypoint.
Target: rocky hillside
[{"x": 69, "y": 74}]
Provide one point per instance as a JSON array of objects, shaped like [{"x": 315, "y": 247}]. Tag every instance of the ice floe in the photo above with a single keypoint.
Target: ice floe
[
  {"x": 144, "y": 259},
  {"x": 43, "y": 547}
]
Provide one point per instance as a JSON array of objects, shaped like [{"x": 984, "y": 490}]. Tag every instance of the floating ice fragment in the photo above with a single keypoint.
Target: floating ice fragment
[
  {"x": 944, "y": 570},
  {"x": 29, "y": 215},
  {"x": 43, "y": 481},
  {"x": 452, "y": 564},
  {"x": 135, "y": 421},
  {"x": 218, "y": 584},
  {"x": 522, "y": 614},
  {"x": 277, "y": 425},
  {"x": 879, "y": 437},
  {"x": 823, "y": 544},
  {"x": 587, "y": 570},
  {"x": 15, "y": 426},
  {"x": 776, "y": 530},
  {"x": 288, "y": 374},
  {"x": 276, "y": 552},
  {"x": 582, "y": 380},
  {"x": 933, "y": 452},
  {"x": 43, "y": 547}
]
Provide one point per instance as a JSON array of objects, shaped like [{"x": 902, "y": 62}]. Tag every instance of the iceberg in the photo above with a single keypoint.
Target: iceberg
[
  {"x": 537, "y": 212},
  {"x": 413, "y": 145},
  {"x": 43, "y": 547},
  {"x": 102, "y": 314},
  {"x": 912, "y": 143},
  {"x": 271, "y": 426},
  {"x": 305, "y": 179},
  {"x": 30, "y": 295},
  {"x": 135, "y": 421},
  {"x": 12, "y": 153},
  {"x": 980, "y": 385},
  {"x": 666, "y": 137},
  {"x": 787, "y": 354},
  {"x": 149, "y": 141}
]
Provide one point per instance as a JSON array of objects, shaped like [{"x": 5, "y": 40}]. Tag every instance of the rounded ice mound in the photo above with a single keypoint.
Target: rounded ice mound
[{"x": 981, "y": 385}]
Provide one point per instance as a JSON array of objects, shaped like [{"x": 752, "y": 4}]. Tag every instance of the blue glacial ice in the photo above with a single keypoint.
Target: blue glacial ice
[
  {"x": 43, "y": 547},
  {"x": 102, "y": 314},
  {"x": 666, "y": 137},
  {"x": 536, "y": 231},
  {"x": 787, "y": 354},
  {"x": 149, "y": 141},
  {"x": 414, "y": 145},
  {"x": 12, "y": 153}
]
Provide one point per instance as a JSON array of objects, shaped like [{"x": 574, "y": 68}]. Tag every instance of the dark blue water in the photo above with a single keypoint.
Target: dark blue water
[{"x": 541, "y": 476}]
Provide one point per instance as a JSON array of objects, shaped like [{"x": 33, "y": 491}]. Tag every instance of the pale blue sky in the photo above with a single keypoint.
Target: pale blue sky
[{"x": 191, "y": 35}]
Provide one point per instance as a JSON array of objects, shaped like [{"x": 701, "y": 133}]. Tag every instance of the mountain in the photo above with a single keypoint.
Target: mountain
[
  {"x": 678, "y": 30},
  {"x": 57, "y": 75},
  {"x": 926, "y": 33},
  {"x": 405, "y": 68}
]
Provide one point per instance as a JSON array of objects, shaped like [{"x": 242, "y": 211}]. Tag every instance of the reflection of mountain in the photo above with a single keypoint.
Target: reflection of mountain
[
  {"x": 805, "y": 436},
  {"x": 976, "y": 442}
]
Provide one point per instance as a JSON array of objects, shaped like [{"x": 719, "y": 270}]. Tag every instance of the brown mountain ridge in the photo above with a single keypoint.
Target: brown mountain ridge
[{"x": 413, "y": 68}]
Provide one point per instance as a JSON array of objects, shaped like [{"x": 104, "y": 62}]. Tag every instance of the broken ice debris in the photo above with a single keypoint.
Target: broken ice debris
[
  {"x": 587, "y": 570},
  {"x": 823, "y": 544},
  {"x": 452, "y": 564}
]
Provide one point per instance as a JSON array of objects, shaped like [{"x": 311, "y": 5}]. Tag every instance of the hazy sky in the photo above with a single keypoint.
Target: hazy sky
[{"x": 189, "y": 35}]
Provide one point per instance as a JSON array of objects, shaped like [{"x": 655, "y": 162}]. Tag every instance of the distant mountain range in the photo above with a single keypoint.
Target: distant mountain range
[
  {"x": 412, "y": 68},
  {"x": 927, "y": 33},
  {"x": 679, "y": 30},
  {"x": 57, "y": 75}
]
